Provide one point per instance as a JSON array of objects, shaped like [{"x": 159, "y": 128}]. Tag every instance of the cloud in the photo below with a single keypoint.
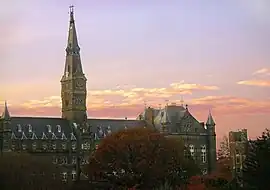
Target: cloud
[
  {"x": 261, "y": 83},
  {"x": 263, "y": 71}
]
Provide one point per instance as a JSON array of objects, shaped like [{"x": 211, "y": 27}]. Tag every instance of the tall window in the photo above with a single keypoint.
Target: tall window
[
  {"x": 73, "y": 175},
  {"x": 191, "y": 149},
  {"x": 203, "y": 153}
]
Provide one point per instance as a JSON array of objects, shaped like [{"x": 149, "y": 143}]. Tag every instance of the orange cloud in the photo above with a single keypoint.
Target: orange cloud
[{"x": 262, "y": 83}]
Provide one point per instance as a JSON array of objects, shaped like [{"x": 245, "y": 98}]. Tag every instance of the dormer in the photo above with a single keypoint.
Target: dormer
[
  {"x": 73, "y": 138},
  {"x": 23, "y": 136},
  {"x": 19, "y": 128},
  {"x": 30, "y": 128},
  {"x": 54, "y": 136},
  {"x": 49, "y": 127},
  {"x": 44, "y": 137},
  {"x": 13, "y": 136},
  {"x": 63, "y": 137},
  {"x": 58, "y": 128},
  {"x": 34, "y": 136},
  {"x": 109, "y": 131}
]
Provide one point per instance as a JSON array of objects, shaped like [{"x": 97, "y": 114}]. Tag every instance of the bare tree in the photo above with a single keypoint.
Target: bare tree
[{"x": 224, "y": 148}]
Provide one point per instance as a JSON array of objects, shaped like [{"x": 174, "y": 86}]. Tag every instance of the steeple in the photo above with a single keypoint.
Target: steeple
[
  {"x": 210, "y": 120},
  {"x": 5, "y": 114},
  {"x": 73, "y": 82}
]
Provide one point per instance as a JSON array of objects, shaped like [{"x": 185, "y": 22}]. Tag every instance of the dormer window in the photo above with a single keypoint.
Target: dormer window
[
  {"x": 49, "y": 128},
  {"x": 30, "y": 128},
  {"x": 58, "y": 128},
  {"x": 19, "y": 128}
]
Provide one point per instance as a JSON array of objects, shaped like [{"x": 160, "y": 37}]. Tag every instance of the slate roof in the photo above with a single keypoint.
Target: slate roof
[
  {"x": 58, "y": 128},
  {"x": 31, "y": 127}
]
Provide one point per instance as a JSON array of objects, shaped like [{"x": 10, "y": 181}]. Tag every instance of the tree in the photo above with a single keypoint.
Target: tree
[
  {"x": 224, "y": 149},
  {"x": 141, "y": 156},
  {"x": 28, "y": 172},
  {"x": 256, "y": 169}
]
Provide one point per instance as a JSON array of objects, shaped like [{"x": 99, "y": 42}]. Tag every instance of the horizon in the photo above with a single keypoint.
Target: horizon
[{"x": 141, "y": 52}]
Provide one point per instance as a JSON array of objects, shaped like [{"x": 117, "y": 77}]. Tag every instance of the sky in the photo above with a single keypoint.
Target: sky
[{"x": 214, "y": 54}]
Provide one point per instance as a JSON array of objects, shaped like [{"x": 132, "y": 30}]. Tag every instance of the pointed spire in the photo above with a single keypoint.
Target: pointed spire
[
  {"x": 72, "y": 35},
  {"x": 6, "y": 115},
  {"x": 210, "y": 120}
]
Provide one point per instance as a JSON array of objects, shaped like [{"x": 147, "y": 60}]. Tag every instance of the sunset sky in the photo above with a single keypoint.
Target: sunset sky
[{"x": 216, "y": 54}]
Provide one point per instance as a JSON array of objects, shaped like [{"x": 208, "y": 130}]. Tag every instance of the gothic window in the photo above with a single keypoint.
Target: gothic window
[
  {"x": 24, "y": 146},
  {"x": 64, "y": 160},
  {"x": 13, "y": 146},
  {"x": 64, "y": 146},
  {"x": 204, "y": 171},
  {"x": 19, "y": 128},
  {"x": 58, "y": 128},
  {"x": 203, "y": 157},
  {"x": 54, "y": 146},
  {"x": 73, "y": 175},
  {"x": 191, "y": 149},
  {"x": 74, "y": 160},
  {"x": 44, "y": 145},
  {"x": 49, "y": 128},
  {"x": 64, "y": 176},
  {"x": 34, "y": 145},
  {"x": 30, "y": 128},
  {"x": 73, "y": 146}
]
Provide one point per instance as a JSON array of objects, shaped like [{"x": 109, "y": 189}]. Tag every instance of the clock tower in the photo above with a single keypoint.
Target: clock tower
[{"x": 73, "y": 82}]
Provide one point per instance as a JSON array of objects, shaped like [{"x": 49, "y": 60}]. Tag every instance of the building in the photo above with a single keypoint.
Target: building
[
  {"x": 238, "y": 144},
  {"x": 69, "y": 139}
]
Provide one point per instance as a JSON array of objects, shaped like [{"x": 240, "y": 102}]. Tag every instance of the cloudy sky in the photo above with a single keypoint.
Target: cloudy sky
[{"x": 213, "y": 53}]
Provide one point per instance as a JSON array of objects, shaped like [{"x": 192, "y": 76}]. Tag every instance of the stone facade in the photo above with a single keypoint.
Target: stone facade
[
  {"x": 238, "y": 144},
  {"x": 70, "y": 139}
]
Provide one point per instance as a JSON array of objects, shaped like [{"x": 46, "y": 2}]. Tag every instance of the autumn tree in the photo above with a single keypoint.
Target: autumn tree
[
  {"x": 141, "y": 156},
  {"x": 29, "y": 172},
  {"x": 256, "y": 170}
]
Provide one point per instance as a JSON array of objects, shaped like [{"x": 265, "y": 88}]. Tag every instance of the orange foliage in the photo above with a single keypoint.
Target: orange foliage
[{"x": 143, "y": 154}]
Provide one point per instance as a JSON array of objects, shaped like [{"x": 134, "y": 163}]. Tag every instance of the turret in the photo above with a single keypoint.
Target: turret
[
  {"x": 5, "y": 130},
  {"x": 165, "y": 120},
  {"x": 211, "y": 131}
]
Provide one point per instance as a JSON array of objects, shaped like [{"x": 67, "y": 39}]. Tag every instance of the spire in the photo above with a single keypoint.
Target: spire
[
  {"x": 73, "y": 62},
  {"x": 6, "y": 115},
  {"x": 210, "y": 120}
]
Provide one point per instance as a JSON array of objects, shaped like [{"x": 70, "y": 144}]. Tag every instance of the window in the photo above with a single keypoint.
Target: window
[
  {"x": 64, "y": 176},
  {"x": 53, "y": 146},
  {"x": 191, "y": 149},
  {"x": 49, "y": 128},
  {"x": 238, "y": 170},
  {"x": 203, "y": 155},
  {"x": 58, "y": 128},
  {"x": 73, "y": 146},
  {"x": 34, "y": 145},
  {"x": 74, "y": 160},
  {"x": 64, "y": 146},
  {"x": 24, "y": 146},
  {"x": 204, "y": 171},
  {"x": 73, "y": 175},
  {"x": 30, "y": 128},
  {"x": 64, "y": 160},
  {"x": 44, "y": 146},
  {"x": 13, "y": 146},
  {"x": 19, "y": 128}
]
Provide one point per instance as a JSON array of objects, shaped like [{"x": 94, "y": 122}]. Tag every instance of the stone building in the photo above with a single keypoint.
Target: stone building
[
  {"x": 238, "y": 144},
  {"x": 70, "y": 139}
]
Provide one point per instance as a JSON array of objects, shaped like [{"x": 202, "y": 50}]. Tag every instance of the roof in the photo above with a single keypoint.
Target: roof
[{"x": 49, "y": 128}]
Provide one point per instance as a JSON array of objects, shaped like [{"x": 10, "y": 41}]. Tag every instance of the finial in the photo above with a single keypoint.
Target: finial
[
  {"x": 182, "y": 101},
  {"x": 71, "y": 9}
]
